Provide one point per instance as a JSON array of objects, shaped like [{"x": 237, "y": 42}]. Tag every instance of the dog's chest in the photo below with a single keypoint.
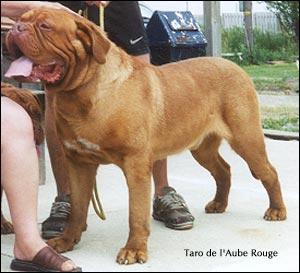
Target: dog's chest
[
  {"x": 91, "y": 138},
  {"x": 90, "y": 142}
]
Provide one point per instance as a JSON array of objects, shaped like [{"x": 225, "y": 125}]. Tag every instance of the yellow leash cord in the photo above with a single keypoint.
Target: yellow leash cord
[
  {"x": 97, "y": 203},
  {"x": 84, "y": 13},
  {"x": 95, "y": 196},
  {"x": 101, "y": 16}
]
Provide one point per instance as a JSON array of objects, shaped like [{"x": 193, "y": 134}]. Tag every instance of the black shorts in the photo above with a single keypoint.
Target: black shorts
[{"x": 123, "y": 23}]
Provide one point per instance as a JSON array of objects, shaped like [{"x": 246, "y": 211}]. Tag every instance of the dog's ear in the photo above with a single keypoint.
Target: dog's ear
[{"x": 93, "y": 39}]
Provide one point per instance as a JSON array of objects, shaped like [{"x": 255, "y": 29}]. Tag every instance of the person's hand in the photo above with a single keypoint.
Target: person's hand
[
  {"x": 98, "y": 3},
  {"x": 14, "y": 10},
  {"x": 57, "y": 6}
]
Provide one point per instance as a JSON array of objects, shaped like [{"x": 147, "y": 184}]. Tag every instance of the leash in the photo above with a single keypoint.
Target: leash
[
  {"x": 97, "y": 203},
  {"x": 101, "y": 16},
  {"x": 83, "y": 11}
]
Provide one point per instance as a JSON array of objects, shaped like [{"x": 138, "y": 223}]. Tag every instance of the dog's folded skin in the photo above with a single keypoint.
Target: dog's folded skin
[{"x": 111, "y": 108}]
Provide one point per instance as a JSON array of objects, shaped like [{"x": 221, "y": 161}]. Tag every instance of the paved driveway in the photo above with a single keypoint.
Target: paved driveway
[{"x": 236, "y": 240}]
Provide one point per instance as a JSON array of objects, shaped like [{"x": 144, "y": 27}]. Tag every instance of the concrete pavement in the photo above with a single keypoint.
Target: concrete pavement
[{"x": 215, "y": 240}]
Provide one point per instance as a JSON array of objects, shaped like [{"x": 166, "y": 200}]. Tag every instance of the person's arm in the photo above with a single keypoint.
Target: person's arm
[
  {"x": 14, "y": 9},
  {"x": 98, "y": 3}
]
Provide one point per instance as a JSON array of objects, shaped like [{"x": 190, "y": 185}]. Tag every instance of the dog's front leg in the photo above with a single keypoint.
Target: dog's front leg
[
  {"x": 138, "y": 175},
  {"x": 82, "y": 177}
]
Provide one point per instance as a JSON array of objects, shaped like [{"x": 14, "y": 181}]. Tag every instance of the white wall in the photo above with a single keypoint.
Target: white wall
[{"x": 196, "y": 7}]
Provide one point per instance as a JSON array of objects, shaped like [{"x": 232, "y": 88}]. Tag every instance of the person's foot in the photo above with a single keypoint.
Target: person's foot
[
  {"x": 56, "y": 223},
  {"x": 46, "y": 259},
  {"x": 170, "y": 208}
]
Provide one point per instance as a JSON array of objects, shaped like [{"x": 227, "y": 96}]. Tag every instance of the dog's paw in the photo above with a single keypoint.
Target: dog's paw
[
  {"x": 275, "y": 214},
  {"x": 60, "y": 244},
  {"x": 6, "y": 228},
  {"x": 215, "y": 207},
  {"x": 131, "y": 256}
]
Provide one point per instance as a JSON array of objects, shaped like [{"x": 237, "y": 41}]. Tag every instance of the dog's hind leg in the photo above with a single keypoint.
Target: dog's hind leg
[
  {"x": 208, "y": 156},
  {"x": 251, "y": 147}
]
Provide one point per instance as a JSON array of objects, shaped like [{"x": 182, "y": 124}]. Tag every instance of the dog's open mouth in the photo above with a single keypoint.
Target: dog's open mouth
[{"x": 24, "y": 70}]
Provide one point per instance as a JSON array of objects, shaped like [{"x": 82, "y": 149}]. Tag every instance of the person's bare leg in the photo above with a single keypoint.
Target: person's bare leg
[
  {"x": 20, "y": 178},
  {"x": 160, "y": 176}
]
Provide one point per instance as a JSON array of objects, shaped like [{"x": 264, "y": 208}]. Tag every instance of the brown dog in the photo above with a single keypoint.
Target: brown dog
[
  {"x": 30, "y": 102},
  {"x": 111, "y": 108}
]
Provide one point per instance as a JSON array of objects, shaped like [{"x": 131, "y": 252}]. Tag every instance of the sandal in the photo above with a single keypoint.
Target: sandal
[
  {"x": 46, "y": 260},
  {"x": 171, "y": 209}
]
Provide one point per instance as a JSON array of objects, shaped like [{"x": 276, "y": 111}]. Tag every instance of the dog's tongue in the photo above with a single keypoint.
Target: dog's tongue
[{"x": 20, "y": 67}]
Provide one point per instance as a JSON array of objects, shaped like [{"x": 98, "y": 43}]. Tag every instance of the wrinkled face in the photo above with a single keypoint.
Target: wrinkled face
[{"x": 52, "y": 46}]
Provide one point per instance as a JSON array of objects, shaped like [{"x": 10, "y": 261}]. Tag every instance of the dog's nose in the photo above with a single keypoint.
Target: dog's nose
[{"x": 18, "y": 27}]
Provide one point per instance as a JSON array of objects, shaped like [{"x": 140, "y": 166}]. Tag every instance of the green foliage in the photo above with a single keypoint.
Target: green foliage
[
  {"x": 282, "y": 118},
  {"x": 284, "y": 123},
  {"x": 288, "y": 14},
  {"x": 233, "y": 39},
  {"x": 267, "y": 46}
]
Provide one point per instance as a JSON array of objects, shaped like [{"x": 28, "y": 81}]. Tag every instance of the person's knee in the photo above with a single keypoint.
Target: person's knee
[{"x": 15, "y": 122}]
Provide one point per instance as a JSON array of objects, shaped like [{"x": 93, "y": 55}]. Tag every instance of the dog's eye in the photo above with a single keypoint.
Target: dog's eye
[{"x": 44, "y": 26}]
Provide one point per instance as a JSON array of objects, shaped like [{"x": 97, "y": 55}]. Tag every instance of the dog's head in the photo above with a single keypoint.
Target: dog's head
[
  {"x": 30, "y": 102},
  {"x": 55, "y": 47}
]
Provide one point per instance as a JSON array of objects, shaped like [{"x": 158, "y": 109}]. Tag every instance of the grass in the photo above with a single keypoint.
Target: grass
[
  {"x": 281, "y": 79},
  {"x": 279, "y": 70},
  {"x": 280, "y": 118}
]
